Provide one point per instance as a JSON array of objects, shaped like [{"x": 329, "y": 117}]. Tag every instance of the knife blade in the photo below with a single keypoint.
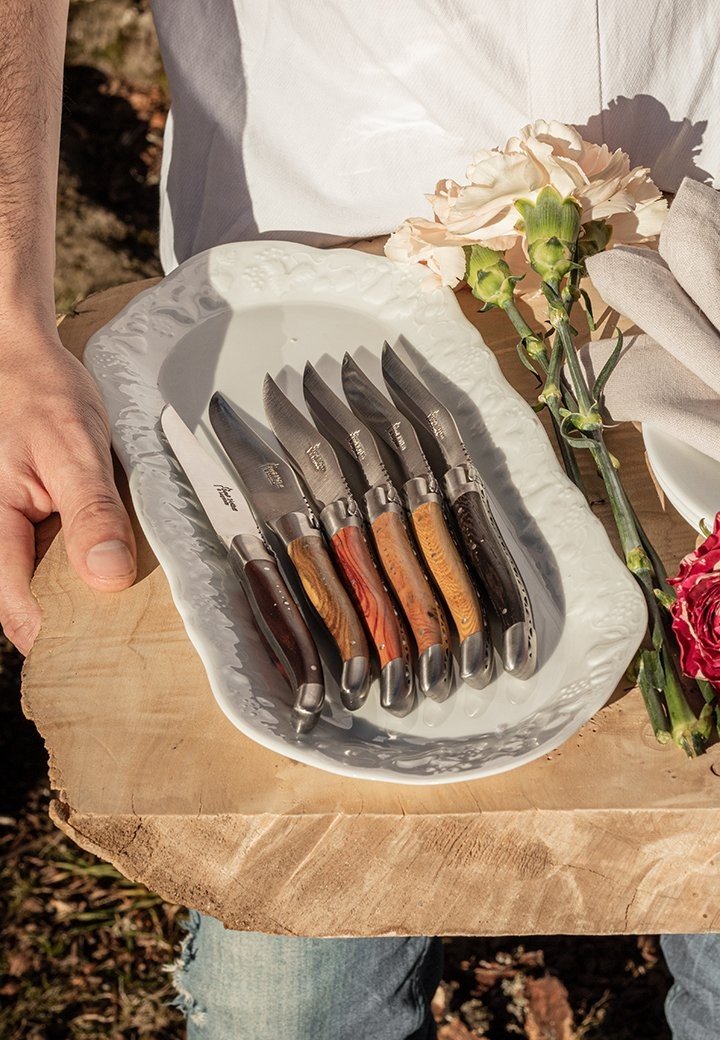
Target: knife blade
[
  {"x": 395, "y": 550},
  {"x": 340, "y": 518},
  {"x": 278, "y": 502},
  {"x": 469, "y": 501},
  {"x": 275, "y": 611},
  {"x": 424, "y": 502}
]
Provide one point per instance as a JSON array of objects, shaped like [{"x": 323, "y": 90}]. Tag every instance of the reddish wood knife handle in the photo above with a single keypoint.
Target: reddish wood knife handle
[
  {"x": 327, "y": 594},
  {"x": 372, "y": 598},
  {"x": 409, "y": 582},
  {"x": 447, "y": 568}
]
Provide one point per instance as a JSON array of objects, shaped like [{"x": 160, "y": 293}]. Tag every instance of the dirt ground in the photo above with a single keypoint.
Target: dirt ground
[{"x": 83, "y": 949}]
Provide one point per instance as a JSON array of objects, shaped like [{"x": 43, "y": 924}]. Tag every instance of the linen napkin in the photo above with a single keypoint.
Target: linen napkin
[{"x": 669, "y": 376}]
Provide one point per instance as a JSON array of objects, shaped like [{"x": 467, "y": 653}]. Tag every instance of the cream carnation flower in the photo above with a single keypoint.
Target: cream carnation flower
[
  {"x": 423, "y": 241},
  {"x": 543, "y": 153}
]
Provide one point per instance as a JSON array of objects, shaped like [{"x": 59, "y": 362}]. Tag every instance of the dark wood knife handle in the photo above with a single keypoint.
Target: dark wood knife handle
[
  {"x": 491, "y": 559},
  {"x": 447, "y": 568},
  {"x": 371, "y": 597},
  {"x": 279, "y": 619},
  {"x": 328, "y": 595},
  {"x": 409, "y": 582}
]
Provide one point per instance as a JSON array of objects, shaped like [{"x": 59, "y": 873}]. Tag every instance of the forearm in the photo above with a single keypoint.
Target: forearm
[{"x": 32, "y": 45}]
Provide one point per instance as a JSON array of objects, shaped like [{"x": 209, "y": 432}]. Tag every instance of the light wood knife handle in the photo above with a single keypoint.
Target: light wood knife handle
[
  {"x": 328, "y": 595},
  {"x": 447, "y": 568},
  {"x": 409, "y": 582},
  {"x": 373, "y": 601}
]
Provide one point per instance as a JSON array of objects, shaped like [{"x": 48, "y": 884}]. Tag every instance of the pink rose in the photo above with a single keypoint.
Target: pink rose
[{"x": 696, "y": 611}]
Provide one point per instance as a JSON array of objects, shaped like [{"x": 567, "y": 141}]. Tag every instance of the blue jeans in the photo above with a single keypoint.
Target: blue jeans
[
  {"x": 242, "y": 985},
  {"x": 247, "y": 986}
]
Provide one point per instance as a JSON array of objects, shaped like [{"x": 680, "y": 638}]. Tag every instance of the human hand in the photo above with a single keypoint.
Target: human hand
[{"x": 54, "y": 457}]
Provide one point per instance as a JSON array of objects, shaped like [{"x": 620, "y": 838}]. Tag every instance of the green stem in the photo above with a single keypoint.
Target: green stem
[{"x": 569, "y": 457}]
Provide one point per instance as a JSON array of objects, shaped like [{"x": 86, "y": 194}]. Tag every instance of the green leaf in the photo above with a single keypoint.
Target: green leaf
[
  {"x": 607, "y": 369},
  {"x": 588, "y": 310},
  {"x": 522, "y": 354}
]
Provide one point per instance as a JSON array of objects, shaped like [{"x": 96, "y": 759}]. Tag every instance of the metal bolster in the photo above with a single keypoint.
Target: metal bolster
[
  {"x": 421, "y": 490},
  {"x": 250, "y": 547},
  {"x": 461, "y": 479},
  {"x": 343, "y": 512},
  {"x": 295, "y": 525},
  {"x": 383, "y": 498}
]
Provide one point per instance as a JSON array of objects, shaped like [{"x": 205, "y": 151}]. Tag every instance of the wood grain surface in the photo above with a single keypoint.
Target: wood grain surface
[
  {"x": 447, "y": 568},
  {"x": 327, "y": 594},
  {"x": 425, "y": 616},
  {"x": 385, "y": 629},
  {"x": 610, "y": 833},
  {"x": 493, "y": 564},
  {"x": 279, "y": 618}
]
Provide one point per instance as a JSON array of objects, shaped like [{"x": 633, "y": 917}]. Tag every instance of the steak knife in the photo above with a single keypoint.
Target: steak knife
[
  {"x": 467, "y": 495},
  {"x": 273, "y": 607},
  {"x": 340, "y": 518},
  {"x": 385, "y": 512},
  {"x": 278, "y": 502},
  {"x": 424, "y": 501}
]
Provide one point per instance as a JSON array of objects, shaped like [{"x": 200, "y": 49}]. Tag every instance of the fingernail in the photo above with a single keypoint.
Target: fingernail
[{"x": 110, "y": 559}]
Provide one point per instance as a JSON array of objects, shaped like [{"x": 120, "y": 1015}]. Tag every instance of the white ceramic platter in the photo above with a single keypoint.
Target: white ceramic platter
[
  {"x": 689, "y": 478},
  {"x": 220, "y": 322}
]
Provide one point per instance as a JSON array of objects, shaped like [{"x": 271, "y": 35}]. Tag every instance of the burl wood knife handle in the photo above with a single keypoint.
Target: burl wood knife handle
[
  {"x": 280, "y": 621},
  {"x": 447, "y": 568},
  {"x": 412, "y": 588},
  {"x": 444, "y": 562},
  {"x": 330, "y": 599}
]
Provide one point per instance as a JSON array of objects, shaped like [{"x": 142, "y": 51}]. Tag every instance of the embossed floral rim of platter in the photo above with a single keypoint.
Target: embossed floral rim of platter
[{"x": 223, "y": 319}]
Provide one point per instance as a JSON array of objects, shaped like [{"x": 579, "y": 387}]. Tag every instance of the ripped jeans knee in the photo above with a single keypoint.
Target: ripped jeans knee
[{"x": 240, "y": 984}]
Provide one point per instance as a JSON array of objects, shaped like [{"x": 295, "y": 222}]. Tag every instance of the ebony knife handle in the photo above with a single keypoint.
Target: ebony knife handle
[
  {"x": 498, "y": 572},
  {"x": 327, "y": 594},
  {"x": 280, "y": 621}
]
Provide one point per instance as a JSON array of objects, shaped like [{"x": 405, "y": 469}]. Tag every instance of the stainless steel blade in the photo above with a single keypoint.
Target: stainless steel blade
[
  {"x": 414, "y": 399},
  {"x": 342, "y": 425},
  {"x": 308, "y": 449},
  {"x": 269, "y": 480},
  {"x": 381, "y": 415},
  {"x": 224, "y": 504}
]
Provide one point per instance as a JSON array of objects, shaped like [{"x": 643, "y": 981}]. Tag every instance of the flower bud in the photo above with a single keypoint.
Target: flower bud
[
  {"x": 594, "y": 238},
  {"x": 551, "y": 225},
  {"x": 488, "y": 276}
]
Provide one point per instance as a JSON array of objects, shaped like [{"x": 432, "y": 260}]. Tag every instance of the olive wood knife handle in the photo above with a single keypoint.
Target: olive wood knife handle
[
  {"x": 280, "y": 621},
  {"x": 331, "y": 601}
]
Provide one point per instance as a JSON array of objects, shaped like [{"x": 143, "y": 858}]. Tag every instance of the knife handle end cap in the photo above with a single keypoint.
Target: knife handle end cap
[
  {"x": 476, "y": 660},
  {"x": 519, "y": 652},
  {"x": 308, "y": 705},
  {"x": 355, "y": 682},
  {"x": 397, "y": 693},
  {"x": 434, "y": 672}
]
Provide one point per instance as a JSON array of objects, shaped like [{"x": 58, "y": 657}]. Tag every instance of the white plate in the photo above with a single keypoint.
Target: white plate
[
  {"x": 223, "y": 319},
  {"x": 689, "y": 478}
]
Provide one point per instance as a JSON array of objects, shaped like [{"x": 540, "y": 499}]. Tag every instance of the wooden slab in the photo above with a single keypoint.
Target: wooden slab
[{"x": 611, "y": 833}]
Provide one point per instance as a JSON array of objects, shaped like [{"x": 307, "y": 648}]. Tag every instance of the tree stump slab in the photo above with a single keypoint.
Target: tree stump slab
[{"x": 610, "y": 833}]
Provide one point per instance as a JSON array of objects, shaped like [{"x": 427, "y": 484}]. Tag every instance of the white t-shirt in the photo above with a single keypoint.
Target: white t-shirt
[{"x": 323, "y": 120}]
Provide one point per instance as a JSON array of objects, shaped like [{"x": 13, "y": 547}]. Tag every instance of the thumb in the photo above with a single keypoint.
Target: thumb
[{"x": 98, "y": 536}]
